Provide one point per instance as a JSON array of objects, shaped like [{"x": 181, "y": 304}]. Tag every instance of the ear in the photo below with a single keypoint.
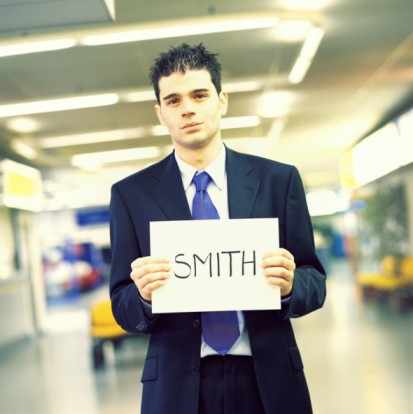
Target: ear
[
  {"x": 159, "y": 114},
  {"x": 223, "y": 98}
]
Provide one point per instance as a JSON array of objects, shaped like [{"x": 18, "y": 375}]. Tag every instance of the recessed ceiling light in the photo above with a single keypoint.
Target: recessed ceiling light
[
  {"x": 292, "y": 30},
  {"x": 23, "y": 149},
  {"x": 23, "y": 125},
  {"x": 305, "y": 4},
  {"x": 276, "y": 104}
]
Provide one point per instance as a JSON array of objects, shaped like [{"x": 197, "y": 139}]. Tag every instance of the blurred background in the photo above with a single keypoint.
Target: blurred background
[{"x": 326, "y": 85}]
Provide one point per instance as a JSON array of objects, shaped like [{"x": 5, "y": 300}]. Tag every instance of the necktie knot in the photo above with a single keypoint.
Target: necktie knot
[
  {"x": 202, "y": 205},
  {"x": 201, "y": 181}
]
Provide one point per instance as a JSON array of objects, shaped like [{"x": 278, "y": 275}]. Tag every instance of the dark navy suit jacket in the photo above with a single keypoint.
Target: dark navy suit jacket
[{"x": 257, "y": 188}]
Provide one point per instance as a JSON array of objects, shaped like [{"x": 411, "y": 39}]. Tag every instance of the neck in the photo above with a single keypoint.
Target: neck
[{"x": 200, "y": 158}]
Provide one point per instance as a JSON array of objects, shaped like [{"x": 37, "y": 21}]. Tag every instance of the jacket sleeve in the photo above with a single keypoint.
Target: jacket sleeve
[
  {"x": 127, "y": 306},
  {"x": 309, "y": 285}
]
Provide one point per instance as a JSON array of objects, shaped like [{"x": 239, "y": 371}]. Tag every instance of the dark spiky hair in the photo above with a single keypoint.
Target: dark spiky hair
[{"x": 184, "y": 57}]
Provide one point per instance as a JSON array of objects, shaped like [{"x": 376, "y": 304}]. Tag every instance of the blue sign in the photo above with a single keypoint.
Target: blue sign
[{"x": 92, "y": 216}]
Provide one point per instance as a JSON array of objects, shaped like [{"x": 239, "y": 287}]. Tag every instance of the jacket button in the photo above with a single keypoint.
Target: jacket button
[
  {"x": 196, "y": 323},
  {"x": 194, "y": 370}
]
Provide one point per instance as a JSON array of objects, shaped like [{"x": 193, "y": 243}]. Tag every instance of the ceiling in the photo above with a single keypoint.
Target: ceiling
[{"x": 360, "y": 77}]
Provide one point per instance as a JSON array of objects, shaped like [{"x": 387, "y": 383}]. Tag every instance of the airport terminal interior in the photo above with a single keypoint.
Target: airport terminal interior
[{"x": 325, "y": 85}]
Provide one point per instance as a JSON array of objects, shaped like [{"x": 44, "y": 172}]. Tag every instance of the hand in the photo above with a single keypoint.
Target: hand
[
  {"x": 149, "y": 273},
  {"x": 279, "y": 269}
]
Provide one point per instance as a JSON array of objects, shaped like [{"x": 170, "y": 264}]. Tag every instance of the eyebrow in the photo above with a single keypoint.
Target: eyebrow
[
  {"x": 200, "y": 90},
  {"x": 173, "y": 95}
]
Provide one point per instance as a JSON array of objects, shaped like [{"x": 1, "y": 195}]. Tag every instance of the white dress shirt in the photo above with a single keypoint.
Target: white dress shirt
[{"x": 218, "y": 192}]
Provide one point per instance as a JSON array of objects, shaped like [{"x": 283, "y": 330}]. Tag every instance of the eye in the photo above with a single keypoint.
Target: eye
[
  {"x": 173, "y": 101},
  {"x": 200, "y": 96}
]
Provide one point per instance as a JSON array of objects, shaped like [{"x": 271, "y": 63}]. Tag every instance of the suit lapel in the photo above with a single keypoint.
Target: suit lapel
[
  {"x": 242, "y": 189},
  {"x": 168, "y": 190}
]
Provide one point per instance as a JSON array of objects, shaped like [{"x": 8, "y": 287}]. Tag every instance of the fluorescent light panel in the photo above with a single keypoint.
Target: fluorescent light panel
[
  {"x": 23, "y": 125},
  {"x": 240, "y": 122},
  {"x": 35, "y": 47},
  {"x": 91, "y": 137},
  {"x": 305, "y": 4},
  {"x": 107, "y": 157},
  {"x": 243, "y": 86},
  {"x": 69, "y": 103},
  {"x": 55, "y": 105},
  {"x": 293, "y": 30},
  {"x": 275, "y": 104},
  {"x": 138, "y": 96},
  {"x": 306, "y": 56},
  {"x": 160, "y": 30},
  {"x": 180, "y": 30},
  {"x": 24, "y": 149}
]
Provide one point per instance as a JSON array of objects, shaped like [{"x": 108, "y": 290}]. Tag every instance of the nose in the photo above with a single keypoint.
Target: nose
[{"x": 187, "y": 107}]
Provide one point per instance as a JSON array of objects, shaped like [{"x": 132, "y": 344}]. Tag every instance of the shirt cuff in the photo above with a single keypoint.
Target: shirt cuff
[
  {"x": 286, "y": 300},
  {"x": 147, "y": 309}
]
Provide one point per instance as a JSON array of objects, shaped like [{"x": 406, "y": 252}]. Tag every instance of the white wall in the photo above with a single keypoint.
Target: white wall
[
  {"x": 7, "y": 248},
  {"x": 16, "y": 319}
]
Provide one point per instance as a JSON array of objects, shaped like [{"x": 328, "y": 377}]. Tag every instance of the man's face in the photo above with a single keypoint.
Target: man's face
[{"x": 191, "y": 109}]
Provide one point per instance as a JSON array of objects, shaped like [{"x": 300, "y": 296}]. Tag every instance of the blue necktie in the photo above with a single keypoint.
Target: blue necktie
[{"x": 220, "y": 330}]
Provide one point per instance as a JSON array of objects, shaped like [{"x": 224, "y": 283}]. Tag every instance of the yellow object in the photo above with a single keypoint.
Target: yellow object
[
  {"x": 103, "y": 324},
  {"x": 388, "y": 270},
  {"x": 394, "y": 275}
]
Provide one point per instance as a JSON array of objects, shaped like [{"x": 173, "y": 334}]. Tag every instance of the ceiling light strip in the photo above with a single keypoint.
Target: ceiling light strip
[
  {"x": 109, "y": 157},
  {"x": 91, "y": 137},
  {"x": 306, "y": 56},
  {"x": 55, "y": 105},
  {"x": 179, "y": 30},
  {"x": 64, "y": 104},
  {"x": 36, "y": 46}
]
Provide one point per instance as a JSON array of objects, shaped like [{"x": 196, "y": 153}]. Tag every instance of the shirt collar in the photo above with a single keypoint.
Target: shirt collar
[{"x": 216, "y": 170}]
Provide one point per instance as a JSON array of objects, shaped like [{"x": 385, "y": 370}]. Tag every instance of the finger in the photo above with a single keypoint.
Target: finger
[
  {"x": 285, "y": 287},
  {"x": 152, "y": 279},
  {"x": 279, "y": 252},
  {"x": 143, "y": 271},
  {"x": 148, "y": 289},
  {"x": 286, "y": 253},
  {"x": 154, "y": 285},
  {"x": 143, "y": 261},
  {"x": 155, "y": 273},
  {"x": 279, "y": 275},
  {"x": 277, "y": 281},
  {"x": 278, "y": 261},
  {"x": 279, "y": 272}
]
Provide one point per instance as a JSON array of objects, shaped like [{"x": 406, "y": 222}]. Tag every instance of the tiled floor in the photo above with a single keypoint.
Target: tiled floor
[{"x": 358, "y": 359}]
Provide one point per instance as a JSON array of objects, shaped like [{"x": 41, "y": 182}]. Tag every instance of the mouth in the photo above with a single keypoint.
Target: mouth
[{"x": 192, "y": 125}]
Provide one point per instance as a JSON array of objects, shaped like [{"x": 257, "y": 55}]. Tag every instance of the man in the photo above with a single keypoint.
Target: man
[{"x": 183, "y": 373}]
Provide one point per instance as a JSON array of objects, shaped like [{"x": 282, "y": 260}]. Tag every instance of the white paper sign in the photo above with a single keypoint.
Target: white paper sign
[{"x": 216, "y": 265}]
